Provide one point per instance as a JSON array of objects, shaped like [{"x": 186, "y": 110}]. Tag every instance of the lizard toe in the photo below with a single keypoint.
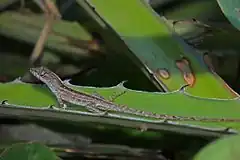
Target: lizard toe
[{"x": 4, "y": 102}]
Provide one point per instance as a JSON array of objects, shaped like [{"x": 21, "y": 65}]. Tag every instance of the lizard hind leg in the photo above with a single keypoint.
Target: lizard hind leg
[
  {"x": 93, "y": 108},
  {"x": 97, "y": 95},
  {"x": 113, "y": 97}
]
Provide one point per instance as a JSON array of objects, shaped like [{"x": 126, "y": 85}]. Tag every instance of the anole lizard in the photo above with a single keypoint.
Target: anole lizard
[{"x": 100, "y": 105}]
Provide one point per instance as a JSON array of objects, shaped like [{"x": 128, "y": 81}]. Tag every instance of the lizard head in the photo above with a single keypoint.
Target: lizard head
[
  {"x": 47, "y": 76},
  {"x": 43, "y": 74},
  {"x": 38, "y": 72}
]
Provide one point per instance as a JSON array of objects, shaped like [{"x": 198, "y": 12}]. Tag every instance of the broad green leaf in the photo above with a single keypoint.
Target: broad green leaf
[
  {"x": 209, "y": 36},
  {"x": 209, "y": 32},
  {"x": 33, "y": 151},
  {"x": 231, "y": 10},
  {"x": 154, "y": 47},
  {"x": 226, "y": 148},
  {"x": 173, "y": 103}
]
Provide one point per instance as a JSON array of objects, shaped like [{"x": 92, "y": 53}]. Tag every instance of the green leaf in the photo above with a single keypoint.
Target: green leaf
[
  {"x": 173, "y": 103},
  {"x": 154, "y": 47},
  {"x": 226, "y": 148},
  {"x": 33, "y": 151},
  {"x": 231, "y": 10}
]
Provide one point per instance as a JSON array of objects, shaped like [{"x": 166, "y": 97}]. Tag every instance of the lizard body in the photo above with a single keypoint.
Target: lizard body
[{"x": 100, "y": 105}]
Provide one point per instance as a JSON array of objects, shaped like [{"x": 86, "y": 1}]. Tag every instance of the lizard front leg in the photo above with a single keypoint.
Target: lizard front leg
[
  {"x": 62, "y": 104},
  {"x": 113, "y": 97},
  {"x": 60, "y": 101}
]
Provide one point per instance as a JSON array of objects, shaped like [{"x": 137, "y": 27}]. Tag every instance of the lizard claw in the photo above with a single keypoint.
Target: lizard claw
[
  {"x": 165, "y": 120},
  {"x": 56, "y": 108},
  {"x": 104, "y": 113},
  {"x": 227, "y": 129},
  {"x": 4, "y": 102},
  {"x": 64, "y": 106},
  {"x": 51, "y": 107}
]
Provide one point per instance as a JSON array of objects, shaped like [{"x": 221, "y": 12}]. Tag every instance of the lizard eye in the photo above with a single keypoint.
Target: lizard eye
[{"x": 43, "y": 73}]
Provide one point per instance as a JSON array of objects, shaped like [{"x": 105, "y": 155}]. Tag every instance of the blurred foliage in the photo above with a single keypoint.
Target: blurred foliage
[
  {"x": 224, "y": 148},
  {"x": 34, "y": 151},
  {"x": 91, "y": 45}
]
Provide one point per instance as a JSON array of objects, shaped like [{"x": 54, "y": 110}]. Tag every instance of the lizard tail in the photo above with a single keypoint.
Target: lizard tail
[
  {"x": 142, "y": 113},
  {"x": 175, "y": 118}
]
